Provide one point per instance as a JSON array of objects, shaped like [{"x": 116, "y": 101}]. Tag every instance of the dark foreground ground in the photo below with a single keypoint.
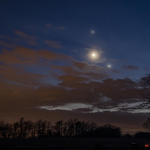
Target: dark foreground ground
[{"x": 73, "y": 144}]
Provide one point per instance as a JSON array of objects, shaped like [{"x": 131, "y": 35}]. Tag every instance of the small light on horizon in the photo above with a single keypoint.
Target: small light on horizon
[{"x": 147, "y": 145}]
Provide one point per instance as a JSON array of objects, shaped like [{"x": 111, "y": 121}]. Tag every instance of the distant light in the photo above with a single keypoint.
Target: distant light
[
  {"x": 92, "y": 32},
  {"x": 109, "y": 66},
  {"x": 147, "y": 145}
]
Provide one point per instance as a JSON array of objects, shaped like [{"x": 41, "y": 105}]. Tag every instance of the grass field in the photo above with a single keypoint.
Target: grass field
[{"x": 72, "y": 144}]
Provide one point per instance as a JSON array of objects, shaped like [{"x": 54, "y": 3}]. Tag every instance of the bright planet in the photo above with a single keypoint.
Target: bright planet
[
  {"x": 109, "y": 66},
  {"x": 92, "y": 31}
]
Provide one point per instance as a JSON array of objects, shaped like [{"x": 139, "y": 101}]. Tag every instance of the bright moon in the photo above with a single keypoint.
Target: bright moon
[{"x": 93, "y": 54}]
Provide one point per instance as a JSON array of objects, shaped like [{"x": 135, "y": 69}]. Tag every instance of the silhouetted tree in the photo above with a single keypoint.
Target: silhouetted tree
[
  {"x": 4, "y": 129},
  {"x": 142, "y": 135},
  {"x": 10, "y": 131},
  {"x": 71, "y": 128},
  {"x": 146, "y": 124},
  {"x": 108, "y": 131},
  {"x": 21, "y": 125},
  {"x": 42, "y": 128},
  {"x": 28, "y": 127},
  {"x": 39, "y": 128},
  {"x": 93, "y": 126},
  {"x": 78, "y": 126},
  {"x": 34, "y": 130},
  {"x": 127, "y": 135},
  {"x": 65, "y": 125},
  {"x": 58, "y": 128},
  {"x": 15, "y": 129},
  {"x": 146, "y": 84},
  {"x": 48, "y": 129}
]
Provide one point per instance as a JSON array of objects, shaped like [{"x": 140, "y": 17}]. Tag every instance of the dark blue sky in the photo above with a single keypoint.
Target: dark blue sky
[
  {"x": 121, "y": 27},
  {"x": 47, "y": 46}
]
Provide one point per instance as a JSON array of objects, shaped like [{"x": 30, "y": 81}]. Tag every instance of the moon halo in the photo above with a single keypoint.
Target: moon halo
[{"x": 93, "y": 55}]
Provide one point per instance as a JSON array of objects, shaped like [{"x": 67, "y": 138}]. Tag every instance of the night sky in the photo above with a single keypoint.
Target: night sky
[{"x": 62, "y": 59}]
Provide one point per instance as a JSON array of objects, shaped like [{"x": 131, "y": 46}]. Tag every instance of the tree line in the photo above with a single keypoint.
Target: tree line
[{"x": 71, "y": 128}]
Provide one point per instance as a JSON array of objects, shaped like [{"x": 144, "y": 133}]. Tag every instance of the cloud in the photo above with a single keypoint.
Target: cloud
[
  {"x": 48, "y": 25},
  {"x": 73, "y": 87},
  {"x": 96, "y": 76},
  {"x": 83, "y": 110},
  {"x": 85, "y": 65},
  {"x": 106, "y": 94},
  {"x": 60, "y": 28},
  {"x": 5, "y": 37},
  {"x": 79, "y": 85},
  {"x": 70, "y": 106},
  {"x": 79, "y": 82},
  {"x": 23, "y": 55},
  {"x": 19, "y": 75},
  {"x": 28, "y": 39},
  {"x": 89, "y": 71},
  {"x": 72, "y": 79},
  {"x": 74, "y": 50},
  {"x": 102, "y": 71},
  {"x": 90, "y": 101},
  {"x": 66, "y": 69},
  {"x": 53, "y": 44},
  {"x": 53, "y": 56},
  {"x": 119, "y": 90},
  {"x": 89, "y": 108},
  {"x": 6, "y": 44},
  {"x": 81, "y": 90},
  {"x": 129, "y": 67},
  {"x": 19, "y": 55},
  {"x": 117, "y": 61},
  {"x": 128, "y": 122}
]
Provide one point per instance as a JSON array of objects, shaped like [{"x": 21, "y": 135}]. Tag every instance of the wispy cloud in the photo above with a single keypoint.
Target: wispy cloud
[
  {"x": 73, "y": 50},
  {"x": 48, "y": 25},
  {"x": 23, "y": 55},
  {"x": 130, "y": 67},
  {"x": 28, "y": 39},
  {"x": 60, "y": 28},
  {"x": 53, "y": 44},
  {"x": 6, "y": 44}
]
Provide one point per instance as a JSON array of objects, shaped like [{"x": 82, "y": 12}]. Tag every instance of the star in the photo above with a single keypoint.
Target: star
[
  {"x": 109, "y": 66},
  {"x": 92, "y": 32}
]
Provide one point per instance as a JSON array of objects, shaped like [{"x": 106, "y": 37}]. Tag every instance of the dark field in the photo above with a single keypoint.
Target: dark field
[{"x": 73, "y": 144}]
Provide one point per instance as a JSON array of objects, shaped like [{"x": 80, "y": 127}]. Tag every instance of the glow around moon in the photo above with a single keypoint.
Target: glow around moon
[{"x": 93, "y": 55}]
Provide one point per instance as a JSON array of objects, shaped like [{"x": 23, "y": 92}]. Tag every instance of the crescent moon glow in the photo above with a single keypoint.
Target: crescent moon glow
[{"x": 93, "y": 55}]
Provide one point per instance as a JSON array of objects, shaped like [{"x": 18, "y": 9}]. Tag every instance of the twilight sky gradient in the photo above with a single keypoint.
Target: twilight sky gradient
[{"x": 47, "y": 70}]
